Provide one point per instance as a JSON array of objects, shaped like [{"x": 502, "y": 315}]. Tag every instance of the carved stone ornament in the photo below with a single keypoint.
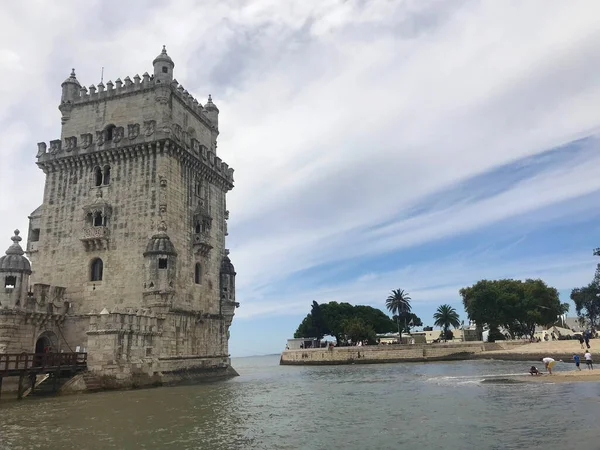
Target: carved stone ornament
[
  {"x": 100, "y": 137},
  {"x": 55, "y": 146},
  {"x": 41, "y": 149},
  {"x": 195, "y": 146},
  {"x": 133, "y": 130},
  {"x": 118, "y": 134},
  {"x": 177, "y": 132},
  {"x": 70, "y": 143},
  {"x": 149, "y": 127},
  {"x": 86, "y": 140},
  {"x": 162, "y": 209}
]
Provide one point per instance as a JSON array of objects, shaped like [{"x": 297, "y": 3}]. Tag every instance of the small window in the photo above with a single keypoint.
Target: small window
[
  {"x": 10, "y": 282},
  {"x": 98, "y": 220},
  {"x": 198, "y": 274},
  {"x": 96, "y": 270},
  {"x": 109, "y": 132},
  {"x": 197, "y": 227},
  {"x": 162, "y": 263},
  {"x": 35, "y": 235},
  {"x": 98, "y": 176},
  {"x": 106, "y": 178},
  {"x": 165, "y": 69}
]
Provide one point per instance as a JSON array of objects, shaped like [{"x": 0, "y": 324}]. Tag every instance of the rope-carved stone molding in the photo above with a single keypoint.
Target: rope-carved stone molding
[{"x": 204, "y": 162}]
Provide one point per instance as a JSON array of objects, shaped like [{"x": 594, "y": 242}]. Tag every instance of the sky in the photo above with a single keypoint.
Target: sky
[{"x": 377, "y": 145}]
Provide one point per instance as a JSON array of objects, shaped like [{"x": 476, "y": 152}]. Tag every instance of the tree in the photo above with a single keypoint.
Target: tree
[
  {"x": 398, "y": 302},
  {"x": 356, "y": 330},
  {"x": 445, "y": 317},
  {"x": 407, "y": 321},
  {"x": 515, "y": 305},
  {"x": 587, "y": 303},
  {"x": 332, "y": 319}
]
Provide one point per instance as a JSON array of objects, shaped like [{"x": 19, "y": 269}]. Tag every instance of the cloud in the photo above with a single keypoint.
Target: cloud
[{"x": 358, "y": 129}]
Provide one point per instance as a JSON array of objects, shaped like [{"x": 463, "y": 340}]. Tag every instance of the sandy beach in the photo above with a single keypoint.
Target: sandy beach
[{"x": 567, "y": 377}]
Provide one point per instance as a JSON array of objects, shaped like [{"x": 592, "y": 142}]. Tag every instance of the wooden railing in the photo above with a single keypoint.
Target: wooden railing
[{"x": 15, "y": 363}]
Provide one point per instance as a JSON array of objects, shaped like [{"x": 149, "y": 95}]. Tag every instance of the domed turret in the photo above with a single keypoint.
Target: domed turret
[
  {"x": 14, "y": 260},
  {"x": 163, "y": 67},
  {"x": 14, "y": 274},
  {"x": 160, "y": 259},
  {"x": 227, "y": 266},
  {"x": 212, "y": 112},
  {"x": 70, "y": 88}
]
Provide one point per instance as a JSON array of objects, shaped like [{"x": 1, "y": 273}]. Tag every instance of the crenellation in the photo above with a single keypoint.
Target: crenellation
[
  {"x": 100, "y": 88},
  {"x": 128, "y": 82},
  {"x": 119, "y": 84}
]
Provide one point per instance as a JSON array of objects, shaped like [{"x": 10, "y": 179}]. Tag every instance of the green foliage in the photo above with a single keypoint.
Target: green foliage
[
  {"x": 356, "y": 330},
  {"x": 407, "y": 321},
  {"x": 332, "y": 319},
  {"x": 445, "y": 317},
  {"x": 587, "y": 302},
  {"x": 398, "y": 303},
  {"x": 515, "y": 305}
]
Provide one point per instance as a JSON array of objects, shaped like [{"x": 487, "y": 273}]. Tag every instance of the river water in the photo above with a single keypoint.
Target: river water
[{"x": 387, "y": 406}]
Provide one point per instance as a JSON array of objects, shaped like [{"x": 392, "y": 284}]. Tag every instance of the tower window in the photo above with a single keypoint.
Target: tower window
[
  {"x": 10, "y": 282},
  {"x": 98, "y": 222},
  {"x": 162, "y": 263},
  {"x": 35, "y": 235},
  {"x": 197, "y": 227},
  {"x": 165, "y": 69},
  {"x": 96, "y": 270},
  {"x": 198, "y": 274},
  {"x": 106, "y": 179},
  {"x": 98, "y": 176},
  {"x": 109, "y": 132}
]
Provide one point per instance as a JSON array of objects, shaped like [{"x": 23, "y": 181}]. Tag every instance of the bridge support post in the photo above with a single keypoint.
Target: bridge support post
[
  {"x": 21, "y": 386},
  {"x": 32, "y": 380}
]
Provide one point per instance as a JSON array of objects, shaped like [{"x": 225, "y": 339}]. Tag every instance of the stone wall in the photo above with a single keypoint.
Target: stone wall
[{"x": 381, "y": 354}]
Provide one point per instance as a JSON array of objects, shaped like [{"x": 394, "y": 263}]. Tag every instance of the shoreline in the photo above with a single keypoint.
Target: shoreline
[{"x": 571, "y": 376}]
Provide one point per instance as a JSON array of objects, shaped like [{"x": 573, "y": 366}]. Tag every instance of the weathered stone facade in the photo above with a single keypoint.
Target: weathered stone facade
[{"x": 132, "y": 228}]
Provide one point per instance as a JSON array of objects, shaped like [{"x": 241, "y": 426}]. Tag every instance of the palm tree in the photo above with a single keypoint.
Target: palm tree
[
  {"x": 398, "y": 302},
  {"x": 446, "y": 316}
]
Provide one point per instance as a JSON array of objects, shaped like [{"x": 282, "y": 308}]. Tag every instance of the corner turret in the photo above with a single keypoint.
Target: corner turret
[
  {"x": 14, "y": 274},
  {"x": 163, "y": 67},
  {"x": 212, "y": 112},
  {"x": 70, "y": 92},
  {"x": 70, "y": 88}
]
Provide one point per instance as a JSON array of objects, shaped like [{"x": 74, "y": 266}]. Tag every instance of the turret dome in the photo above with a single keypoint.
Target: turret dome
[
  {"x": 160, "y": 243},
  {"x": 163, "y": 57},
  {"x": 227, "y": 266},
  {"x": 14, "y": 260}
]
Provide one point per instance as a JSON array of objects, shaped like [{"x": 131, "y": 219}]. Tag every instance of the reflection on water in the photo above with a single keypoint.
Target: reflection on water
[{"x": 434, "y": 405}]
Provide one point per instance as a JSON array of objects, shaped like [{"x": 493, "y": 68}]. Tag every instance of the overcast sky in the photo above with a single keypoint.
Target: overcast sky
[{"x": 414, "y": 144}]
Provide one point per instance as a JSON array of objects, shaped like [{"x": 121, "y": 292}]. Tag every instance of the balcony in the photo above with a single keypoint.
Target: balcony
[
  {"x": 95, "y": 238},
  {"x": 201, "y": 242}
]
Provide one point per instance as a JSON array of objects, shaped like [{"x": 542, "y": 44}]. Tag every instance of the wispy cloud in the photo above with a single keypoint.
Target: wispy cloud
[{"x": 358, "y": 129}]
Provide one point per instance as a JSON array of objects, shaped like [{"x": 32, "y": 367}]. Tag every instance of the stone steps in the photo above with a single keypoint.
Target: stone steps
[{"x": 92, "y": 382}]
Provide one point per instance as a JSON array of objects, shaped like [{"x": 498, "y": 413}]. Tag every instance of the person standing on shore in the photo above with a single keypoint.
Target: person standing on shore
[
  {"x": 576, "y": 358},
  {"x": 588, "y": 360},
  {"x": 581, "y": 341},
  {"x": 586, "y": 336},
  {"x": 549, "y": 363}
]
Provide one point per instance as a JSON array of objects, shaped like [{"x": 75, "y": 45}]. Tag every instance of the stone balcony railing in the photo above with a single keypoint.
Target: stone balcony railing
[{"x": 95, "y": 238}]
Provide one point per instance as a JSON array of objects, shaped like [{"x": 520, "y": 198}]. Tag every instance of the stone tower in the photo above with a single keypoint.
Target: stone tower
[{"x": 133, "y": 225}]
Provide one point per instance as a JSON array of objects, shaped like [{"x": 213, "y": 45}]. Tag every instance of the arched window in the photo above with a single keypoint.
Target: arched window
[
  {"x": 198, "y": 227},
  {"x": 106, "y": 179},
  {"x": 96, "y": 269},
  {"x": 198, "y": 274},
  {"x": 109, "y": 132},
  {"x": 98, "y": 176},
  {"x": 98, "y": 220}
]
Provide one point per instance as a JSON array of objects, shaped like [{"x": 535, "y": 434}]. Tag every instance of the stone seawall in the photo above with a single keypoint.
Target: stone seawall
[{"x": 383, "y": 354}]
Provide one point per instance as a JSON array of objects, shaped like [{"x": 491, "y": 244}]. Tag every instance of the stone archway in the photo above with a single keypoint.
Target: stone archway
[{"x": 47, "y": 342}]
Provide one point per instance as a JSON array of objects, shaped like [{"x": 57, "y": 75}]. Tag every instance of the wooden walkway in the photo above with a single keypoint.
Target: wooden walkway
[{"x": 30, "y": 365}]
